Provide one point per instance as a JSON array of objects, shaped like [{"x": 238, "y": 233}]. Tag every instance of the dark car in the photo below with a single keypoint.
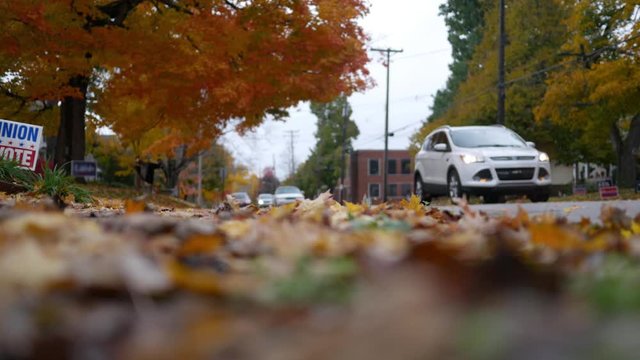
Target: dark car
[{"x": 242, "y": 198}]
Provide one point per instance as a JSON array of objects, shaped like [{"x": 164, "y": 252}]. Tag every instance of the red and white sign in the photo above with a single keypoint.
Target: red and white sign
[
  {"x": 20, "y": 142},
  {"x": 608, "y": 192}
]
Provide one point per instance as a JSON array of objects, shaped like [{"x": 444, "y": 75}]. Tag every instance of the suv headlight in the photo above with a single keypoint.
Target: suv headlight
[
  {"x": 469, "y": 158},
  {"x": 543, "y": 157}
]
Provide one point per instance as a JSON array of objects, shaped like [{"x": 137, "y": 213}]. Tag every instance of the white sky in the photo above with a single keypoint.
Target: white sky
[{"x": 416, "y": 74}]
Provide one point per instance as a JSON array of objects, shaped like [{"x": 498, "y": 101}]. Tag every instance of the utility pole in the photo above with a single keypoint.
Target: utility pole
[
  {"x": 292, "y": 164},
  {"x": 345, "y": 119},
  {"x": 388, "y": 51},
  {"x": 501, "y": 89},
  {"x": 273, "y": 163}
]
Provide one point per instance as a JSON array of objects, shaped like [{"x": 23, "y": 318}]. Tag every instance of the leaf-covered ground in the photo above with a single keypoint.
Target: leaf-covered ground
[{"x": 313, "y": 280}]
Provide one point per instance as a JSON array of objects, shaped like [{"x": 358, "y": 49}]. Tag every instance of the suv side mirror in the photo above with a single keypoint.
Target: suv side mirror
[
  {"x": 440, "y": 147},
  {"x": 531, "y": 144}
]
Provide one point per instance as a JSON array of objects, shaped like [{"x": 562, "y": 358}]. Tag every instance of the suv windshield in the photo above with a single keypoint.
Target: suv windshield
[
  {"x": 486, "y": 137},
  {"x": 287, "y": 190}
]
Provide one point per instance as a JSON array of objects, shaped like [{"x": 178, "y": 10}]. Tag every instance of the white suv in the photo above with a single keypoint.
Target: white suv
[{"x": 489, "y": 161}]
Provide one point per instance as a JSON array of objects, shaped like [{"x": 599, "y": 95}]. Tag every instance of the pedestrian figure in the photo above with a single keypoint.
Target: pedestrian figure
[{"x": 146, "y": 171}]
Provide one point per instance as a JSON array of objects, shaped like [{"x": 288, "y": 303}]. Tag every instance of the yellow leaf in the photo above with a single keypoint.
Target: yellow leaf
[
  {"x": 199, "y": 244},
  {"x": 202, "y": 281},
  {"x": 280, "y": 212},
  {"x": 354, "y": 209},
  {"x": 414, "y": 204},
  {"x": 554, "y": 237},
  {"x": 235, "y": 229}
]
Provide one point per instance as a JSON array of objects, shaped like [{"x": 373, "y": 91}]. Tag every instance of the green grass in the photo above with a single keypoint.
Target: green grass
[
  {"x": 11, "y": 172},
  {"x": 57, "y": 184}
]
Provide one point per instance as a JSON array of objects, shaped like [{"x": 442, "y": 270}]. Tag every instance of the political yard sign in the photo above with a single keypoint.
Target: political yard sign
[{"x": 20, "y": 142}]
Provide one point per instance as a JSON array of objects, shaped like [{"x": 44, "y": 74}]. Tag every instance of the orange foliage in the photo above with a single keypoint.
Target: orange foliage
[{"x": 189, "y": 67}]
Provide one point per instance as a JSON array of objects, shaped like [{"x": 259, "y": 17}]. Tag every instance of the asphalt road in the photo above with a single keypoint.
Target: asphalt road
[{"x": 573, "y": 211}]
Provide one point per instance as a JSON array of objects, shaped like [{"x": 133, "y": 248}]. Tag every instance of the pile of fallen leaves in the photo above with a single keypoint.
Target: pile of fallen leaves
[{"x": 313, "y": 280}]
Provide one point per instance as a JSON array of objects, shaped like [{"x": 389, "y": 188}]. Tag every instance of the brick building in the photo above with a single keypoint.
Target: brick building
[{"x": 365, "y": 175}]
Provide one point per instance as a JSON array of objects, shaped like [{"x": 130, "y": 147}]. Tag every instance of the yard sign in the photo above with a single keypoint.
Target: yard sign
[{"x": 20, "y": 142}]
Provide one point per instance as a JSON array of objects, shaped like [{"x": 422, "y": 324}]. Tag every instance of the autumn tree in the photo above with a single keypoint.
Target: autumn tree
[
  {"x": 598, "y": 91},
  {"x": 186, "y": 67},
  {"x": 535, "y": 31},
  {"x": 335, "y": 129},
  {"x": 268, "y": 182}
]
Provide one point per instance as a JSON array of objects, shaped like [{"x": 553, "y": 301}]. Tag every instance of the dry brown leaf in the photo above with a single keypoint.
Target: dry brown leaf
[{"x": 132, "y": 206}]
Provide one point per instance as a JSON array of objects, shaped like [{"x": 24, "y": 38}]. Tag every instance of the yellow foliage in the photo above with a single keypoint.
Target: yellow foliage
[{"x": 414, "y": 203}]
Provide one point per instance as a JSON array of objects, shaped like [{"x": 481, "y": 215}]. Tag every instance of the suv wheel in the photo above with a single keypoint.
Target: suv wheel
[
  {"x": 454, "y": 186},
  {"x": 418, "y": 188},
  {"x": 493, "y": 198},
  {"x": 539, "y": 197}
]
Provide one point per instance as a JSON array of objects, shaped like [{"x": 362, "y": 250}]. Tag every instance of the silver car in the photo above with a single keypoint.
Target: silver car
[
  {"x": 265, "y": 200},
  {"x": 488, "y": 161},
  {"x": 288, "y": 194}
]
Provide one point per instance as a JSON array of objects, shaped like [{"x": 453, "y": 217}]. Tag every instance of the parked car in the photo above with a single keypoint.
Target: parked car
[
  {"x": 242, "y": 198},
  {"x": 265, "y": 200},
  {"x": 488, "y": 161},
  {"x": 287, "y": 194}
]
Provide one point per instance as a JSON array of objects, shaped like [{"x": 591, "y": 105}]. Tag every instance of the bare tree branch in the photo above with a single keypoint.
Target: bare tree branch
[{"x": 232, "y": 5}]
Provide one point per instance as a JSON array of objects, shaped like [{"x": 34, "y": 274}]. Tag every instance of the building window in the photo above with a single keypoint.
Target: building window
[
  {"x": 405, "y": 189},
  {"x": 393, "y": 190},
  {"x": 405, "y": 164},
  {"x": 374, "y": 190},
  {"x": 374, "y": 167},
  {"x": 391, "y": 166}
]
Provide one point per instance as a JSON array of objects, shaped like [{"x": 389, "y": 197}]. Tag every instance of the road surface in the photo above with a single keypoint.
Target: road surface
[{"x": 573, "y": 211}]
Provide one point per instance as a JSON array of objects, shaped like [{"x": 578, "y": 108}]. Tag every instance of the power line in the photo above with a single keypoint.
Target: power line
[{"x": 432, "y": 52}]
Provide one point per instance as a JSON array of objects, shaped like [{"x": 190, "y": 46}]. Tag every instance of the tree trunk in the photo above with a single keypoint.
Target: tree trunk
[
  {"x": 171, "y": 173},
  {"x": 172, "y": 167},
  {"x": 626, "y": 152},
  {"x": 70, "y": 144}
]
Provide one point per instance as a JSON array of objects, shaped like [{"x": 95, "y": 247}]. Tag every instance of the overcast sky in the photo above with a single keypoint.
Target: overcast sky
[{"x": 416, "y": 74}]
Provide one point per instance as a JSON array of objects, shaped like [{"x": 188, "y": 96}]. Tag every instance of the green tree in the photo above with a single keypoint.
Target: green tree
[
  {"x": 335, "y": 129},
  {"x": 464, "y": 20}
]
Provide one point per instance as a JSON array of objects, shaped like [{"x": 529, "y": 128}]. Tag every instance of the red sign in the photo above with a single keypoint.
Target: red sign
[
  {"x": 24, "y": 157},
  {"x": 608, "y": 192}
]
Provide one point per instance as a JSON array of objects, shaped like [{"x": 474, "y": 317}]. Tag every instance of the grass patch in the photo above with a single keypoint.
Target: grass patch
[
  {"x": 104, "y": 191},
  {"x": 11, "y": 172},
  {"x": 60, "y": 186}
]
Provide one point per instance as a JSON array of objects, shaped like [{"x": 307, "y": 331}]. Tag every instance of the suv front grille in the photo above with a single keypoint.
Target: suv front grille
[
  {"x": 515, "y": 173},
  {"x": 509, "y": 158}
]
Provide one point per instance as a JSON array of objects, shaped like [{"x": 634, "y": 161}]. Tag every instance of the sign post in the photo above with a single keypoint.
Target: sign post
[{"x": 20, "y": 143}]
